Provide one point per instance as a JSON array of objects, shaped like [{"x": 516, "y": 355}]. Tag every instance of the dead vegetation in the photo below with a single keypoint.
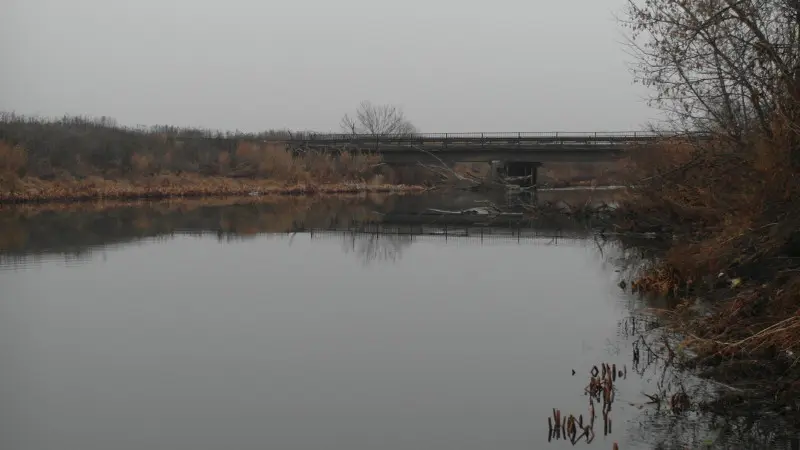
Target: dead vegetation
[
  {"x": 600, "y": 391},
  {"x": 33, "y": 190},
  {"x": 731, "y": 222},
  {"x": 259, "y": 169}
]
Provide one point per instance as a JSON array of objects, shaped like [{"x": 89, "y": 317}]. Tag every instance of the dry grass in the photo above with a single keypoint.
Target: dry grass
[
  {"x": 171, "y": 186},
  {"x": 191, "y": 203},
  {"x": 29, "y": 210},
  {"x": 253, "y": 169}
]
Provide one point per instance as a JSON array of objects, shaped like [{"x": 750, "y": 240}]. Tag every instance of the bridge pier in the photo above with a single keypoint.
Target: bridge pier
[{"x": 526, "y": 172}]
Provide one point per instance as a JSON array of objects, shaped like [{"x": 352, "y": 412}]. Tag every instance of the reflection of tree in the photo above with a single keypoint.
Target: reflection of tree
[
  {"x": 82, "y": 228},
  {"x": 376, "y": 246}
]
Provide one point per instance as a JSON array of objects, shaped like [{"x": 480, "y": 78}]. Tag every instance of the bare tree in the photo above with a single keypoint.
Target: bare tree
[
  {"x": 378, "y": 120},
  {"x": 729, "y": 66}
]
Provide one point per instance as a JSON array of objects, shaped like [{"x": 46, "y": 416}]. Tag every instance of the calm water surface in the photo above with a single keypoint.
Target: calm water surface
[{"x": 130, "y": 329}]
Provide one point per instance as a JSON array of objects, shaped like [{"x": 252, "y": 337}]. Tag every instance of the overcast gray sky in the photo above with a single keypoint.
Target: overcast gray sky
[{"x": 453, "y": 65}]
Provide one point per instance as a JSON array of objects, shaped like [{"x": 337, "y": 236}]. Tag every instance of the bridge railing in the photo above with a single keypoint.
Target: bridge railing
[
  {"x": 485, "y": 139},
  {"x": 493, "y": 137},
  {"x": 310, "y": 136}
]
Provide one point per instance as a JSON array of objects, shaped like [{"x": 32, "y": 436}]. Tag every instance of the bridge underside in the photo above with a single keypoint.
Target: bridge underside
[
  {"x": 511, "y": 154},
  {"x": 516, "y": 163},
  {"x": 524, "y": 174}
]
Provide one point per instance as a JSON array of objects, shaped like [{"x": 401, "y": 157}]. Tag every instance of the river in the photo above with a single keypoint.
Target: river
[{"x": 274, "y": 324}]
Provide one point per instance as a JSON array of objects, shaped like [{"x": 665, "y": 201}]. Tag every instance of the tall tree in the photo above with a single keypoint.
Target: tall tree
[
  {"x": 378, "y": 120},
  {"x": 730, "y": 66}
]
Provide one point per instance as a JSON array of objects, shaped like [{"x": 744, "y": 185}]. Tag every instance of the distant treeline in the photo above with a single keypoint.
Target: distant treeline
[
  {"x": 81, "y": 146},
  {"x": 76, "y": 148}
]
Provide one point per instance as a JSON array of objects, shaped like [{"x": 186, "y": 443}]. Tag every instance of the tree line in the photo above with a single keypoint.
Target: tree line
[{"x": 82, "y": 146}]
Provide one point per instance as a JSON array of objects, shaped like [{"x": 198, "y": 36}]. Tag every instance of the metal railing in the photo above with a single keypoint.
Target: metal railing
[
  {"x": 526, "y": 136},
  {"x": 601, "y": 136},
  {"x": 630, "y": 135}
]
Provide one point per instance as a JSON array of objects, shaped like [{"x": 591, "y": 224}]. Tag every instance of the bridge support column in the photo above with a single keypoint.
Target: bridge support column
[{"x": 525, "y": 173}]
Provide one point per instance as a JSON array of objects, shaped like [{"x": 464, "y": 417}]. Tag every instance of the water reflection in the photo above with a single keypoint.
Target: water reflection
[
  {"x": 218, "y": 324},
  {"x": 373, "y": 228},
  {"x": 375, "y": 246}
]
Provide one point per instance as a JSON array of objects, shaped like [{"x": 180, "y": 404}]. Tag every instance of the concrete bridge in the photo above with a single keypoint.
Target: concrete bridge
[
  {"x": 481, "y": 147},
  {"x": 514, "y": 154}
]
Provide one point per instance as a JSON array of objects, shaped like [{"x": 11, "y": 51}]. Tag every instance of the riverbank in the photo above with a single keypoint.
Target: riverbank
[
  {"x": 33, "y": 190},
  {"x": 726, "y": 222}
]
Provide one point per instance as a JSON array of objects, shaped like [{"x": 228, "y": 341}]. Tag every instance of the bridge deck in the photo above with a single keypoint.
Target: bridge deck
[
  {"x": 482, "y": 147},
  {"x": 476, "y": 140}
]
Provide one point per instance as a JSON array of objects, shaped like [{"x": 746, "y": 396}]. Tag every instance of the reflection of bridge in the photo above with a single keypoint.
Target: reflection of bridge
[
  {"x": 386, "y": 243},
  {"x": 477, "y": 233},
  {"x": 405, "y": 218},
  {"x": 469, "y": 223},
  {"x": 383, "y": 238}
]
